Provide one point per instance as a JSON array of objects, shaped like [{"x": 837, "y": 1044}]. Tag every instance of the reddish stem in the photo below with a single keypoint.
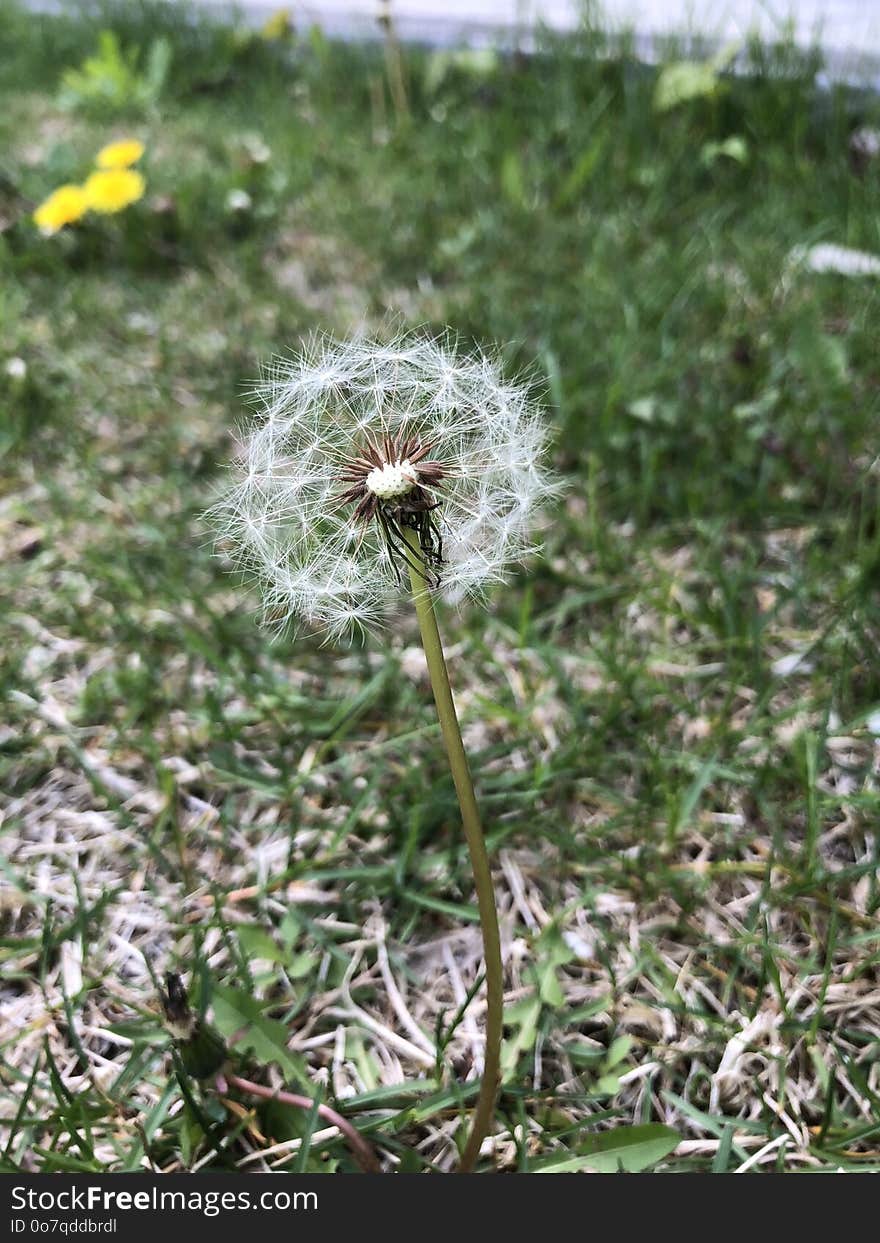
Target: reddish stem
[{"x": 362, "y": 1151}]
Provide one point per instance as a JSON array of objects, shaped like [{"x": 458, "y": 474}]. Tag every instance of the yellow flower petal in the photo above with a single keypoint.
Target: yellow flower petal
[
  {"x": 120, "y": 154},
  {"x": 278, "y": 26},
  {"x": 113, "y": 190},
  {"x": 64, "y": 206}
]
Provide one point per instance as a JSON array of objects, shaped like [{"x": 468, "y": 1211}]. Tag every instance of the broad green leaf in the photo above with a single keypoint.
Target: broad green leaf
[
  {"x": 551, "y": 952},
  {"x": 523, "y": 1018},
  {"x": 618, "y": 1050},
  {"x": 476, "y": 63},
  {"x": 733, "y": 148},
  {"x": 300, "y": 966},
  {"x": 583, "y": 1054},
  {"x": 627, "y": 1148},
  {"x": 235, "y": 1011},
  {"x": 682, "y": 81},
  {"x": 512, "y": 180},
  {"x": 257, "y": 943}
]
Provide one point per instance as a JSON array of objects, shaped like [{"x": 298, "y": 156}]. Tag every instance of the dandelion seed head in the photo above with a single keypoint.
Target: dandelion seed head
[
  {"x": 410, "y": 426},
  {"x": 392, "y": 479}
]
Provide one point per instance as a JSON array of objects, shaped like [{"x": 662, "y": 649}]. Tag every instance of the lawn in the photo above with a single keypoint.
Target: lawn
[{"x": 673, "y": 715}]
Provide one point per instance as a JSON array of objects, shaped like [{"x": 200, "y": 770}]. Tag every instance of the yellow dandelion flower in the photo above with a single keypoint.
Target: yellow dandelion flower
[
  {"x": 64, "y": 206},
  {"x": 278, "y": 26},
  {"x": 120, "y": 154},
  {"x": 113, "y": 189}
]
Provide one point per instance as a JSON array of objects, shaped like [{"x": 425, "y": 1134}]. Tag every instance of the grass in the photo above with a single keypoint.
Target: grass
[{"x": 672, "y": 717}]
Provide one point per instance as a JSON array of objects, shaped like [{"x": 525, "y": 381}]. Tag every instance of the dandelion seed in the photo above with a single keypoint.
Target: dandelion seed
[
  {"x": 255, "y": 150},
  {"x": 360, "y": 444},
  {"x": 238, "y": 202},
  {"x": 827, "y": 257}
]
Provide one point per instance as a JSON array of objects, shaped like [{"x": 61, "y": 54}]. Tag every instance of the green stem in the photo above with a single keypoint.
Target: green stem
[{"x": 470, "y": 816}]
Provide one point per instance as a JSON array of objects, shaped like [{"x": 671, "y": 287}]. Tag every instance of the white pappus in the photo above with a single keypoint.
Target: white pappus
[{"x": 357, "y": 441}]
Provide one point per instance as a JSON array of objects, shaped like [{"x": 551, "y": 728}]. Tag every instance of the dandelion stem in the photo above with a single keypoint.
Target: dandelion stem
[
  {"x": 360, "y": 1147},
  {"x": 464, "y": 788}
]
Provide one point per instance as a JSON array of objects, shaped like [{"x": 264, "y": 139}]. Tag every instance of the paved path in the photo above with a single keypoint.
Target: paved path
[{"x": 849, "y": 30}]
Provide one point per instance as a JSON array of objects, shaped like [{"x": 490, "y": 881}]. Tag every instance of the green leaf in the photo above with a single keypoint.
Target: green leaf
[
  {"x": 110, "y": 80},
  {"x": 512, "y": 179},
  {"x": 618, "y": 1051},
  {"x": 257, "y": 943},
  {"x": 475, "y": 63},
  {"x": 583, "y": 171},
  {"x": 733, "y": 148},
  {"x": 682, "y": 81},
  {"x": 235, "y": 1010},
  {"x": 627, "y": 1148},
  {"x": 158, "y": 67},
  {"x": 523, "y": 1017},
  {"x": 551, "y": 952},
  {"x": 584, "y": 1054},
  {"x": 300, "y": 966}
]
